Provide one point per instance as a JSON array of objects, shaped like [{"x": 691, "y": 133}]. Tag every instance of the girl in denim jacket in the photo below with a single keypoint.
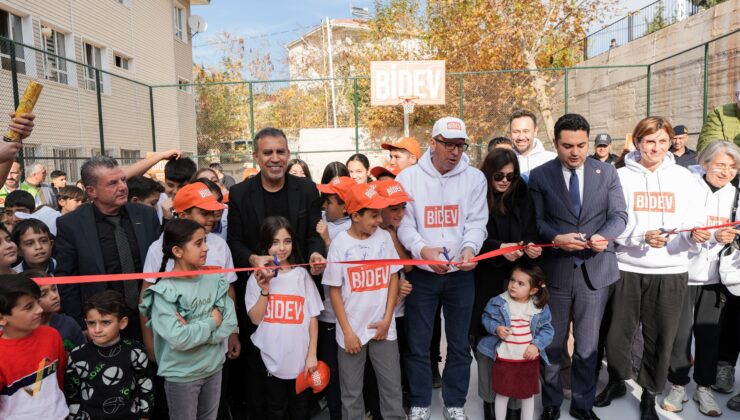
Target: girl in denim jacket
[{"x": 519, "y": 321}]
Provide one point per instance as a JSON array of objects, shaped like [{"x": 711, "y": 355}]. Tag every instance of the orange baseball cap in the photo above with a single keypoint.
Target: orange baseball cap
[
  {"x": 339, "y": 186},
  {"x": 379, "y": 171},
  {"x": 196, "y": 195},
  {"x": 318, "y": 380},
  {"x": 364, "y": 196},
  {"x": 393, "y": 191},
  {"x": 406, "y": 143}
]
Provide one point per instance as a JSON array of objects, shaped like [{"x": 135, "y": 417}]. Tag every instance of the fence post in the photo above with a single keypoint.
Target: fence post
[
  {"x": 565, "y": 88},
  {"x": 706, "y": 82},
  {"x": 462, "y": 101},
  {"x": 14, "y": 75},
  {"x": 16, "y": 98},
  {"x": 357, "y": 118},
  {"x": 649, "y": 76},
  {"x": 98, "y": 88},
  {"x": 151, "y": 111},
  {"x": 251, "y": 119}
]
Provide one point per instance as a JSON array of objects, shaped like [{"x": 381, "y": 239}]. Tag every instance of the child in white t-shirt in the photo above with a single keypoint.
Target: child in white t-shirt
[
  {"x": 363, "y": 297},
  {"x": 334, "y": 220},
  {"x": 284, "y": 308}
]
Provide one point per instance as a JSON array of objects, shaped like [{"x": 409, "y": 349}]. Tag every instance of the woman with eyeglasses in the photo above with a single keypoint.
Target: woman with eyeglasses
[
  {"x": 706, "y": 296},
  {"x": 511, "y": 221}
]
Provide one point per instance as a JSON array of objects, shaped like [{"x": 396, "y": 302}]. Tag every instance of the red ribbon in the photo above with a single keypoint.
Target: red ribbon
[{"x": 42, "y": 281}]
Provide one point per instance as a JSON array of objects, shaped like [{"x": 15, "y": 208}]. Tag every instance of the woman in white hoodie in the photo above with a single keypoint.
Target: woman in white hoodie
[
  {"x": 653, "y": 262},
  {"x": 718, "y": 165}
]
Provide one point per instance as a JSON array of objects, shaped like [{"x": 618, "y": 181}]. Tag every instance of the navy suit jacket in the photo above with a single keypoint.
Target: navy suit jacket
[{"x": 603, "y": 212}]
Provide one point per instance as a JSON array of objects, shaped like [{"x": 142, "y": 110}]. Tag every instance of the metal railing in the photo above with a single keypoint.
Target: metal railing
[{"x": 638, "y": 23}]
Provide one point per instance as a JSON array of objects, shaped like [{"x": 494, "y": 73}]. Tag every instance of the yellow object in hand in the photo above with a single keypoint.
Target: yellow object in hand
[{"x": 28, "y": 101}]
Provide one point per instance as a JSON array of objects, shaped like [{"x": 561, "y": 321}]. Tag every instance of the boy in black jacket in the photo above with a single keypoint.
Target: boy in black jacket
[{"x": 109, "y": 377}]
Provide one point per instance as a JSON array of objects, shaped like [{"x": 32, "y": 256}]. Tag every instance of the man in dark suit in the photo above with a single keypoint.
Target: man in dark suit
[
  {"x": 579, "y": 202},
  {"x": 106, "y": 236},
  {"x": 271, "y": 192}
]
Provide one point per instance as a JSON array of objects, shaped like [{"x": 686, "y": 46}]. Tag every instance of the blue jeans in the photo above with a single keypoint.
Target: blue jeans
[{"x": 455, "y": 292}]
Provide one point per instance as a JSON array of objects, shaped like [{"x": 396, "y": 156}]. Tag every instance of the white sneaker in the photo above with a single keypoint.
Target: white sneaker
[
  {"x": 725, "y": 378},
  {"x": 707, "y": 405},
  {"x": 454, "y": 413},
  {"x": 419, "y": 413},
  {"x": 675, "y": 399}
]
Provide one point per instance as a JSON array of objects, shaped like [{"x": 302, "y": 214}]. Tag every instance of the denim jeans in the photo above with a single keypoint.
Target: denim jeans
[
  {"x": 195, "y": 400},
  {"x": 455, "y": 292}
]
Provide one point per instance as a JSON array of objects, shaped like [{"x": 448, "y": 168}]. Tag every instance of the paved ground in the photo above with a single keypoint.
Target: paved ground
[{"x": 625, "y": 408}]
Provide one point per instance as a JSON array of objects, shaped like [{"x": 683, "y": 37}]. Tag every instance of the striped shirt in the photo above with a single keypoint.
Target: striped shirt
[{"x": 512, "y": 348}]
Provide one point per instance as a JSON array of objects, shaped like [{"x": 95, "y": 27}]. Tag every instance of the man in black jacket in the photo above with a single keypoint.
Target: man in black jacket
[
  {"x": 271, "y": 192},
  {"x": 106, "y": 236}
]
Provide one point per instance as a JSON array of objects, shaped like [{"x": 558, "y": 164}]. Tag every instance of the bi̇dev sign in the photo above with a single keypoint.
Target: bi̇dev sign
[{"x": 390, "y": 80}]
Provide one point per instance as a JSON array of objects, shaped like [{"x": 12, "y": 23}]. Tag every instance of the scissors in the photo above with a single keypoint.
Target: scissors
[
  {"x": 581, "y": 237},
  {"x": 445, "y": 252},
  {"x": 277, "y": 264},
  {"x": 668, "y": 232}
]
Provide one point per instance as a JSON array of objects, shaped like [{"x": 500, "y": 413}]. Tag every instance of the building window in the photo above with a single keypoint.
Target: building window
[
  {"x": 179, "y": 18},
  {"x": 55, "y": 66},
  {"x": 129, "y": 157},
  {"x": 93, "y": 58},
  {"x": 11, "y": 27},
  {"x": 184, "y": 85},
  {"x": 30, "y": 153},
  {"x": 66, "y": 160},
  {"x": 122, "y": 62}
]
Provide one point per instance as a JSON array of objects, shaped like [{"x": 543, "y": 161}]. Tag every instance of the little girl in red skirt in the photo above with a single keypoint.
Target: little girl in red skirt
[{"x": 520, "y": 323}]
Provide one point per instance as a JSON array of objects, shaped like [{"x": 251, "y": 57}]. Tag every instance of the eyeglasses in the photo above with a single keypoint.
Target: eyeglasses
[
  {"x": 499, "y": 176},
  {"x": 450, "y": 146},
  {"x": 723, "y": 168}
]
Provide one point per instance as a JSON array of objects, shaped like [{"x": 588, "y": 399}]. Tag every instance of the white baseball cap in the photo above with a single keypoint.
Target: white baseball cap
[{"x": 450, "y": 128}]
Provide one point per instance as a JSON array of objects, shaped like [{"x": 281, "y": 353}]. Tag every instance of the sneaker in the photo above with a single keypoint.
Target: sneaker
[
  {"x": 734, "y": 403},
  {"x": 454, "y": 413},
  {"x": 725, "y": 383},
  {"x": 419, "y": 413},
  {"x": 707, "y": 405},
  {"x": 675, "y": 399}
]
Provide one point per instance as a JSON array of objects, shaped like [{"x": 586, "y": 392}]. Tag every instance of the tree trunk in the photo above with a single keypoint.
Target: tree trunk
[{"x": 543, "y": 99}]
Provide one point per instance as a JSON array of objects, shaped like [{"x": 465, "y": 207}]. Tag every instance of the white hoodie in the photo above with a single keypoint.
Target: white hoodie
[
  {"x": 665, "y": 198},
  {"x": 537, "y": 156},
  {"x": 704, "y": 258},
  {"x": 448, "y": 210}
]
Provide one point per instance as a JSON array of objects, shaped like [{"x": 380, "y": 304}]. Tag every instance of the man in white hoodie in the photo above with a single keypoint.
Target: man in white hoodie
[
  {"x": 529, "y": 149},
  {"x": 445, "y": 222}
]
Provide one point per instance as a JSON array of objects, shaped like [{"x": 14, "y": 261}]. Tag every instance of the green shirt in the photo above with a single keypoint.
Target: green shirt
[
  {"x": 723, "y": 123},
  {"x": 186, "y": 353}
]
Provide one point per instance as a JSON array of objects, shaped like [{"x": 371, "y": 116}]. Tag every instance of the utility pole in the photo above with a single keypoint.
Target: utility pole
[{"x": 331, "y": 72}]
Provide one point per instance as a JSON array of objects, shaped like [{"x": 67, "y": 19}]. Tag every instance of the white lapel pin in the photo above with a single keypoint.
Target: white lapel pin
[{"x": 598, "y": 171}]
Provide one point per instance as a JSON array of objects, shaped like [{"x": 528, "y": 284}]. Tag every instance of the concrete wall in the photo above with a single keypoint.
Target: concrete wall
[{"x": 614, "y": 100}]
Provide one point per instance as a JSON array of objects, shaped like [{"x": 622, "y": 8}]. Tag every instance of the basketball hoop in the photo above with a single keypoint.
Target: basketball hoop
[{"x": 408, "y": 103}]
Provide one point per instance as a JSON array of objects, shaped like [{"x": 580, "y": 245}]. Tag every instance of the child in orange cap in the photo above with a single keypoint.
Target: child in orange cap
[
  {"x": 403, "y": 153},
  {"x": 363, "y": 297},
  {"x": 334, "y": 220}
]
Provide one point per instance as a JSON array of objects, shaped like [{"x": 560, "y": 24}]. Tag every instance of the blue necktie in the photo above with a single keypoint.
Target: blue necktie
[{"x": 574, "y": 192}]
